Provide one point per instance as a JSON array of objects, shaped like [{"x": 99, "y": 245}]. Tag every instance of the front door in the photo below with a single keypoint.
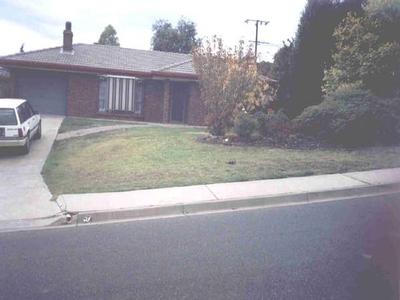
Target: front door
[{"x": 180, "y": 99}]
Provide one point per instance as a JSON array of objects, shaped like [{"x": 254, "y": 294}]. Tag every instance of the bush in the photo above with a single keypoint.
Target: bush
[
  {"x": 273, "y": 125},
  {"x": 228, "y": 82},
  {"x": 352, "y": 118},
  {"x": 245, "y": 125}
]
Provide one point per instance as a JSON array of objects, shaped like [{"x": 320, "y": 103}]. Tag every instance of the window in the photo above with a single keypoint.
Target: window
[
  {"x": 30, "y": 108},
  {"x": 7, "y": 117},
  {"x": 120, "y": 94},
  {"x": 24, "y": 113}
]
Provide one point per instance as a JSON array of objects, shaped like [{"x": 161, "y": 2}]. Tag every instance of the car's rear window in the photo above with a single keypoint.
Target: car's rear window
[{"x": 7, "y": 117}]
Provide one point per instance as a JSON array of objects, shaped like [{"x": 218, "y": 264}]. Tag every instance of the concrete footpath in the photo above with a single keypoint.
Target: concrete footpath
[{"x": 100, "y": 207}]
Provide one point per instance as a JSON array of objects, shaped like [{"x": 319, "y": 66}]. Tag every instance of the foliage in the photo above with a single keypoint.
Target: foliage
[
  {"x": 181, "y": 39},
  {"x": 109, "y": 36},
  {"x": 229, "y": 83},
  {"x": 301, "y": 64},
  {"x": 352, "y": 118},
  {"x": 377, "y": 6},
  {"x": 283, "y": 72},
  {"x": 245, "y": 125},
  {"x": 368, "y": 50},
  {"x": 261, "y": 95},
  {"x": 265, "y": 68},
  {"x": 274, "y": 125}
]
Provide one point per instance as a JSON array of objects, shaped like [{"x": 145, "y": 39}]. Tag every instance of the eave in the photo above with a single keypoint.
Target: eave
[{"x": 85, "y": 69}]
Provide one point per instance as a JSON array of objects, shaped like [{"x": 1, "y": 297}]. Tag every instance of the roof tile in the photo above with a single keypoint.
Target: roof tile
[{"x": 111, "y": 57}]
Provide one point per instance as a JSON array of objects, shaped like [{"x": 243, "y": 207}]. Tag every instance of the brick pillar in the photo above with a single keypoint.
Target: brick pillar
[{"x": 167, "y": 101}]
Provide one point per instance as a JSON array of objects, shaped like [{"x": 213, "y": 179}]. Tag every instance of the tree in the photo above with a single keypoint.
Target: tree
[
  {"x": 265, "y": 68},
  {"x": 109, "y": 36},
  {"x": 181, "y": 39},
  {"x": 368, "y": 50},
  {"x": 282, "y": 71},
  {"x": 311, "y": 53},
  {"x": 229, "y": 83}
]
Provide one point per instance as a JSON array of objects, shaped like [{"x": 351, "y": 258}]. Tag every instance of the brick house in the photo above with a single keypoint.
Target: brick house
[
  {"x": 91, "y": 80},
  {"x": 4, "y": 83}
]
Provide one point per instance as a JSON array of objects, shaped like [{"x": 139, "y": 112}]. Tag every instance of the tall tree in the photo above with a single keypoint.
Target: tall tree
[
  {"x": 181, "y": 39},
  {"x": 312, "y": 53},
  {"x": 109, "y": 36},
  {"x": 282, "y": 71},
  {"x": 368, "y": 50}
]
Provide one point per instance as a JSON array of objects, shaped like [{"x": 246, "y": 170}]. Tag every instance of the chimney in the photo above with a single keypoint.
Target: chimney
[{"x": 67, "y": 40}]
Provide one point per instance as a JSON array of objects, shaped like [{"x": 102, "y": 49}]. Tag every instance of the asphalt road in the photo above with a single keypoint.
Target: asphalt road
[{"x": 334, "y": 250}]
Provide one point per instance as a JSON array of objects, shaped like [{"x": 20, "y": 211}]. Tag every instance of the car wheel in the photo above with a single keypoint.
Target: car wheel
[
  {"x": 27, "y": 146},
  {"x": 38, "y": 134}
]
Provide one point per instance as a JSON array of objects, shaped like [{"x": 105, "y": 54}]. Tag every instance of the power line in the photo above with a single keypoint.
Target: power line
[
  {"x": 256, "y": 42},
  {"x": 266, "y": 43}
]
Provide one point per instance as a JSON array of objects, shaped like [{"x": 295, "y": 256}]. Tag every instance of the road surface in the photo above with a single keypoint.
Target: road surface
[{"x": 333, "y": 250}]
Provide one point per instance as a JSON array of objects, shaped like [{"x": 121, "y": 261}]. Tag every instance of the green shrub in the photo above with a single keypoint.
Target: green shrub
[
  {"x": 245, "y": 125},
  {"x": 348, "y": 92},
  {"x": 316, "y": 120},
  {"x": 273, "y": 125},
  {"x": 354, "y": 118}
]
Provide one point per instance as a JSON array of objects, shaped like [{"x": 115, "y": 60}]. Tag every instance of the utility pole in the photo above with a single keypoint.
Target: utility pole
[{"x": 256, "y": 42}]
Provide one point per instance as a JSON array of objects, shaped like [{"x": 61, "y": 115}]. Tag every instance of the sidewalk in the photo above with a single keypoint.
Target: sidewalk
[
  {"x": 93, "y": 130},
  {"x": 227, "y": 196}
]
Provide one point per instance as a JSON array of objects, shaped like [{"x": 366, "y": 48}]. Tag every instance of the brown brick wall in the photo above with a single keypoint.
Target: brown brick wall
[
  {"x": 167, "y": 102},
  {"x": 13, "y": 84},
  {"x": 153, "y": 102},
  {"x": 5, "y": 87},
  {"x": 83, "y": 95},
  {"x": 196, "y": 110}
]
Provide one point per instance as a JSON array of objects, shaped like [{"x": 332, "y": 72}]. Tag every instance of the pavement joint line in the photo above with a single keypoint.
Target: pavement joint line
[
  {"x": 61, "y": 204},
  {"x": 359, "y": 180},
  {"x": 212, "y": 193}
]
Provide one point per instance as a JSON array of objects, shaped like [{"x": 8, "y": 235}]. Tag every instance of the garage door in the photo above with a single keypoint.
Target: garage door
[{"x": 46, "y": 91}]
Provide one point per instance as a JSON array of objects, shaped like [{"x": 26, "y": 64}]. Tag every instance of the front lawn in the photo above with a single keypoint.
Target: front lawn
[
  {"x": 75, "y": 123},
  {"x": 153, "y": 157}
]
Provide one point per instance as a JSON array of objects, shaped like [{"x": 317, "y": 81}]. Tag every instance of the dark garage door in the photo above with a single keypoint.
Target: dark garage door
[{"x": 46, "y": 91}]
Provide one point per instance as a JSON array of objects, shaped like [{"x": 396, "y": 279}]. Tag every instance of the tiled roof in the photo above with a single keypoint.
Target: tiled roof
[
  {"x": 183, "y": 67},
  {"x": 109, "y": 57}
]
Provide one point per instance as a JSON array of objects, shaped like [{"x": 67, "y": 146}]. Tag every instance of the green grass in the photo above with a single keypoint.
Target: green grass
[
  {"x": 74, "y": 123},
  {"x": 153, "y": 157}
]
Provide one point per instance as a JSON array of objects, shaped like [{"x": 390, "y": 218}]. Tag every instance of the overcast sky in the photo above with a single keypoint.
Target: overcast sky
[{"x": 39, "y": 23}]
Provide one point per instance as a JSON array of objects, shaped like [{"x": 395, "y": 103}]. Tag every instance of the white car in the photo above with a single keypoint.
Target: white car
[{"x": 19, "y": 124}]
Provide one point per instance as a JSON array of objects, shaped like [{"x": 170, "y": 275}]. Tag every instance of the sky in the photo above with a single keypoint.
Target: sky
[{"x": 39, "y": 23}]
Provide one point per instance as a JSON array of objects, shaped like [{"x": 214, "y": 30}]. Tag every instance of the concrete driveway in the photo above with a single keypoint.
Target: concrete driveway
[{"x": 23, "y": 193}]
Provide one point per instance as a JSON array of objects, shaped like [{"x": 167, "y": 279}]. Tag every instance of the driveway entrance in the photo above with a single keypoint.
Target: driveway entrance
[{"x": 23, "y": 193}]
